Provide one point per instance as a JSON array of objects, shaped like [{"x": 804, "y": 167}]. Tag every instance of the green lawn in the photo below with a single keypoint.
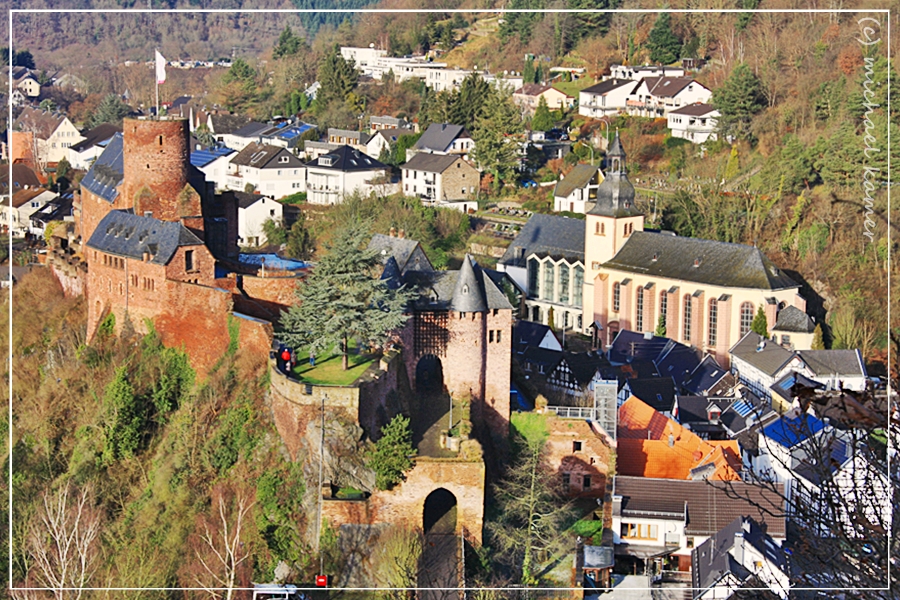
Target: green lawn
[
  {"x": 573, "y": 87},
  {"x": 532, "y": 426},
  {"x": 328, "y": 370}
]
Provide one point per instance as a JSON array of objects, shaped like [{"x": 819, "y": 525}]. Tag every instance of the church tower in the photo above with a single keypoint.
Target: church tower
[{"x": 607, "y": 227}]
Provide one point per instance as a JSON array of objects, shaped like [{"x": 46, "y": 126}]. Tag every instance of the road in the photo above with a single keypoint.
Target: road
[{"x": 438, "y": 567}]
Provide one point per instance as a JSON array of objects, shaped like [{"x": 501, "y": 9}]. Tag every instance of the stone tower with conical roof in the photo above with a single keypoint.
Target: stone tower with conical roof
[{"x": 608, "y": 225}]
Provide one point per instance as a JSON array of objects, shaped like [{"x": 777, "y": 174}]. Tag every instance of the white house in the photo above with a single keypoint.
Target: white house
[
  {"x": 54, "y": 133},
  {"x": 83, "y": 154},
  {"x": 384, "y": 139},
  {"x": 605, "y": 98},
  {"x": 638, "y": 72},
  {"x": 24, "y": 204},
  {"x": 695, "y": 122},
  {"x": 657, "y": 96},
  {"x": 741, "y": 554},
  {"x": 332, "y": 176},
  {"x": 443, "y": 138},
  {"x": 268, "y": 169},
  {"x": 446, "y": 79},
  {"x": 243, "y": 136},
  {"x": 577, "y": 191},
  {"x": 214, "y": 163},
  {"x": 441, "y": 180},
  {"x": 253, "y": 211},
  {"x": 653, "y": 518}
]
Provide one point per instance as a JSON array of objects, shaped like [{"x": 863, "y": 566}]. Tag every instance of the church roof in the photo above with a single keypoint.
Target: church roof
[
  {"x": 615, "y": 195},
  {"x": 699, "y": 261},
  {"x": 547, "y": 235},
  {"x": 125, "y": 234}
]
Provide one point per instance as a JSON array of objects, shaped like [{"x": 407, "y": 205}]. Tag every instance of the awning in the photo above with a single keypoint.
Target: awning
[{"x": 644, "y": 551}]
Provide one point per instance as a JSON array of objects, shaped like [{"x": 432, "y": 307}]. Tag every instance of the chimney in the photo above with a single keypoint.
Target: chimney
[
  {"x": 738, "y": 551},
  {"x": 671, "y": 440},
  {"x": 402, "y": 234},
  {"x": 393, "y": 231},
  {"x": 146, "y": 256}
]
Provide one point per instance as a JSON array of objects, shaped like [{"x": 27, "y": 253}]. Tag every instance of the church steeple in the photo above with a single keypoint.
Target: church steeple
[{"x": 615, "y": 196}]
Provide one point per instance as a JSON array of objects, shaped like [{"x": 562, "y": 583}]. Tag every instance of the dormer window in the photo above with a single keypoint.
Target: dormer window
[
  {"x": 283, "y": 159},
  {"x": 697, "y": 262},
  {"x": 325, "y": 161},
  {"x": 655, "y": 256}
]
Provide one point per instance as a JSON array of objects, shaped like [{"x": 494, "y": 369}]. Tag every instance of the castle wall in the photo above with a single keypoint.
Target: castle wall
[
  {"x": 156, "y": 155},
  {"x": 202, "y": 262}
]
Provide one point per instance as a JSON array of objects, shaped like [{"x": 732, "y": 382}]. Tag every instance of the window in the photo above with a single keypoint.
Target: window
[
  {"x": 642, "y": 531},
  {"x": 564, "y": 283},
  {"x": 713, "y": 320},
  {"x": 690, "y": 542},
  {"x": 491, "y": 336},
  {"x": 639, "y": 321},
  {"x": 549, "y": 278},
  {"x": 282, "y": 159},
  {"x": 785, "y": 340},
  {"x": 576, "y": 446},
  {"x": 160, "y": 140},
  {"x": 586, "y": 483},
  {"x": 533, "y": 270},
  {"x": 687, "y": 318},
  {"x": 499, "y": 331},
  {"x": 577, "y": 284},
  {"x": 746, "y": 317},
  {"x": 617, "y": 292},
  {"x": 189, "y": 260},
  {"x": 663, "y": 301}
]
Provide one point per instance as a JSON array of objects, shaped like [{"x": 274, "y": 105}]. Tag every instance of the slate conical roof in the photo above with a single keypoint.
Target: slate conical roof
[
  {"x": 615, "y": 149},
  {"x": 469, "y": 295},
  {"x": 615, "y": 195}
]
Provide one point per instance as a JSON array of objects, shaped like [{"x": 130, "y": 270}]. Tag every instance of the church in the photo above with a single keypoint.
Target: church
[{"x": 608, "y": 273}]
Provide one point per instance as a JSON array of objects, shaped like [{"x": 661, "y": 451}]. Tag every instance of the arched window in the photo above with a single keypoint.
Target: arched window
[
  {"x": 616, "y": 295},
  {"x": 687, "y": 318},
  {"x": 746, "y": 317},
  {"x": 577, "y": 285},
  {"x": 713, "y": 320},
  {"x": 547, "y": 290},
  {"x": 639, "y": 321},
  {"x": 663, "y": 302},
  {"x": 564, "y": 283},
  {"x": 534, "y": 268}
]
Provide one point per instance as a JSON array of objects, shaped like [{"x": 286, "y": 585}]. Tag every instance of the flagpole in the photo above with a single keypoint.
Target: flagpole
[{"x": 156, "y": 76}]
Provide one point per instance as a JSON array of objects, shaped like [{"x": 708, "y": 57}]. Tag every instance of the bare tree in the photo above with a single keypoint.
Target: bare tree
[
  {"x": 62, "y": 541},
  {"x": 222, "y": 553},
  {"x": 398, "y": 553}
]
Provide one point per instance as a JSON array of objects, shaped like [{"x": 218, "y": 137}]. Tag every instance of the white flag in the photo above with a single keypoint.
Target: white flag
[{"x": 160, "y": 68}]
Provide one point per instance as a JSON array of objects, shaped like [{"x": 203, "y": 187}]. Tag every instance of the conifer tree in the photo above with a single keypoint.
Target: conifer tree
[
  {"x": 760, "y": 325},
  {"x": 542, "y": 120},
  {"x": 343, "y": 299},
  {"x": 337, "y": 77},
  {"x": 110, "y": 110},
  {"x": 496, "y": 150},
  {"x": 528, "y": 72},
  {"x": 393, "y": 454},
  {"x": 738, "y": 99},
  {"x": 661, "y": 326},
  {"x": 288, "y": 43},
  {"x": 664, "y": 44}
]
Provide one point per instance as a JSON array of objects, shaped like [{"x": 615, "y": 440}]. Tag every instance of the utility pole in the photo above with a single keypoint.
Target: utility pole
[{"x": 321, "y": 481}]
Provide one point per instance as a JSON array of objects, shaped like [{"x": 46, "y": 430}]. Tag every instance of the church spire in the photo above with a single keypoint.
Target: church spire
[{"x": 615, "y": 196}]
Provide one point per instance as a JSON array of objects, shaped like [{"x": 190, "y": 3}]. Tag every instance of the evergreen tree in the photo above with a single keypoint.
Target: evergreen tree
[
  {"x": 471, "y": 101},
  {"x": 738, "y": 99},
  {"x": 393, "y": 454},
  {"x": 494, "y": 134},
  {"x": 448, "y": 38},
  {"x": 550, "y": 319},
  {"x": 204, "y": 135},
  {"x": 337, "y": 77},
  {"x": 760, "y": 325},
  {"x": 288, "y": 44},
  {"x": 239, "y": 85},
  {"x": 528, "y": 72},
  {"x": 110, "y": 110},
  {"x": 124, "y": 418},
  {"x": 661, "y": 326},
  {"x": 344, "y": 299},
  {"x": 23, "y": 58},
  {"x": 663, "y": 43},
  {"x": 300, "y": 242},
  {"x": 818, "y": 341},
  {"x": 541, "y": 121}
]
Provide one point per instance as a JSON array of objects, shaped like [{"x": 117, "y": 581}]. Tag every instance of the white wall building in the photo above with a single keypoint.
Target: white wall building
[
  {"x": 253, "y": 211},
  {"x": 344, "y": 171},
  {"x": 695, "y": 123},
  {"x": 269, "y": 170}
]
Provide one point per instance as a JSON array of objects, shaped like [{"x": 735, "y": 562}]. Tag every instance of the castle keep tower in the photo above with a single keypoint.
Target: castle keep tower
[{"x": 156, "y": 159}]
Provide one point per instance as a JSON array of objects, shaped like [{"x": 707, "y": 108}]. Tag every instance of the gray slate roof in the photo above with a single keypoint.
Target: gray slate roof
[
  {"x": 764, "y": 354},
  {"x": 400, "y": 249},
  {"x": 125, "y": 234},
  {"x": 431, "y": 163},
  {"x": 604, "y": 87},
  {"x": 439, "y": 288},
  {"x": 579, "y": 177},
  {"x": 345, "y": 158},
  {"x": 834, "y": 362},
  {"x": 698, "y": 109},
  {"x": 265, "y": 156},
  {"x": 792, "y": 319},
  {"x": 439, "y": 136},
  {"x": 94, "y": 136},
  {"x": 705, "y": 377},
  {"x": 227, "y": 123},
  {"x": 251, "y": 129},
  {"x": 469, "y": 292},
  {"x": 107, "y": 172},
  {"x": 547, "y": 235},
  {"x": 615, "y": 195},
  {"x": 720, "y": 263}
]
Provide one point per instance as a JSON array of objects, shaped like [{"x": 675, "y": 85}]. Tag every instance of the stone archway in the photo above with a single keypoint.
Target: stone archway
[
  {"x": 439, "y": 512},
  {"x": 429, "y": 374}
]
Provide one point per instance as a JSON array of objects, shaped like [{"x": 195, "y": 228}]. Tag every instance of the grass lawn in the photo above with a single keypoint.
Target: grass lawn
[
  {"x": 328, "y": 369},
  {"x": 573, "y": 87},
  {"x": 531, "y": 426}
]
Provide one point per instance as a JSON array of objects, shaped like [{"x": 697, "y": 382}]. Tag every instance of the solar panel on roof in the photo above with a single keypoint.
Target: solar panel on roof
[{"x": 742, "y": 407}]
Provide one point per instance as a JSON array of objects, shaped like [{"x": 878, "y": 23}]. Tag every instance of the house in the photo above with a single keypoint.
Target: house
[
  {"x": 539, "y": 361},
  {"x": 576, "y": 373},
  {"x": 286, "y": 134},
  {"x": 709, "y": 379},
  {"x": 658, "y": 96},
  {"x": 638, "y": 72},
  {"x": 739, "y": 555},
  {"x": 678, "y": 362},
  {"x": 630, "y": 346},
  {"x": 580, "y": 452},
  {"x": 342, "y": 172},
  {"x": 408, "y": 254},
  {"x": 222, "y": 125},
  {"x": 253, "y": 211},
  {"x": 655, "y": 518},
  {"x": 355, "y": 139},
  {"x": 528, "y": 96},
  {"x": 240, "y": 138},
  {"x": 793, "y": 329},
  {"x": 266, "y": 169},
  {"x": 25, "y": 203},
  {"x": 597, "y": 566},
  {"x": 377, "y": 123},
  {"x": 785, "y": 390},
  {"x": 695, "y": 122},
  {"x": 577, "y": 191},
  {"x": 383, "y": 140},
  {"x": 53, "y": 133},
  {"x": 605, "y": 98},
  {"x": 25, "y": 81},
  {"x": 214, "y": 163},
  {"x": 787, "y": 442},
  {"x": 759, "y": 362},
  {"x": 649, "y": 444},
  {"x": 59, "y": 208},
  {"x": 23, "y": 178},
  {"x": 545, "y": 244},
  {"x": 447, "y": 79},
  {"x": 441, "y": 180},
  {"x": 85, "y": 152},
  {"x": 656, "y": 392},
  {"x": 702, "y": 415},
  {"x": 443, "y": 138}
]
